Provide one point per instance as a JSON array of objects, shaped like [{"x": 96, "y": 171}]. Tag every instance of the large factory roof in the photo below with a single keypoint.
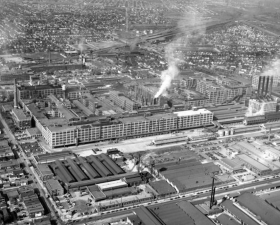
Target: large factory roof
[
  {"x": 85, "y": 183},
  {"x": 162, "y": 187},
  {"x": 253, "y": 162},
  {"x": 182, "y": 213},
  {"x": 229, "y": 206},
  {"x": 260, "y": 208},
  {"x": 198, "y": 217},
  {"x": 146, "y": 216}
]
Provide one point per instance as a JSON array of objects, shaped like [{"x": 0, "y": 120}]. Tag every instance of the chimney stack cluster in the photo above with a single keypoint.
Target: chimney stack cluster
[{"x": 265, "y": 86}]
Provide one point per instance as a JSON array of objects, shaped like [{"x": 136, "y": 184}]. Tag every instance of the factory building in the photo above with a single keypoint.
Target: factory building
[
  {"x": 74, "y": 93},
  {"x": 188, "y": 175},
  {"x": 38, "y": 91},
  {"x": 83, "y": 169},
  {"x": 122, "y": 101},
  {"x": 44, "y": 172},
  {"x": 145, "y": 95},
  {"x": 54, "y": 187},
  {"x": 218, "y": 93},
  {"x": 182, "y": 212},
  {"x": 254, "y": 165},
  {"x": 69, "y": 129},
  {"x": 21, "y": 118},
  {"x": 265, "y": 213}
]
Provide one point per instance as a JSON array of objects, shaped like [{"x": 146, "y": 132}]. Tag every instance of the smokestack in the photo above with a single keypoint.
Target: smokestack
[
  {"x": 271, "y": 84},
  {"x": 259, "y": 86},
  {"x": 15, "y": 94},
  {"x": 267, "y": 85},
  {"x": 263, "y": 85}
]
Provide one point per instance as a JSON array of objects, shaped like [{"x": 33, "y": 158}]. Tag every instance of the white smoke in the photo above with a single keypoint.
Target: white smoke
[
  {"x": 191, "y": 29},
  {"x": 272, "y": 69},
  {"x": 250, "y": 112},
  {"x": 81, "y": 45}
]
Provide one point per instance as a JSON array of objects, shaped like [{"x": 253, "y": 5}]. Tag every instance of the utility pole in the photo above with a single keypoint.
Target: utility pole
[{"x": 213, "y": 190}]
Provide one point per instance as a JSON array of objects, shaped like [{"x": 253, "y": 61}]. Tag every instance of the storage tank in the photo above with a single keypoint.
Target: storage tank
[{"x": 221, "y": 133}]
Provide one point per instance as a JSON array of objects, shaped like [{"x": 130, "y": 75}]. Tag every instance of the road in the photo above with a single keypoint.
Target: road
[{"x": 200, "y": 199}]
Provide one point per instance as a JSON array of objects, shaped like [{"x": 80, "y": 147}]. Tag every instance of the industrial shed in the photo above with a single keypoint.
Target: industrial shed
[
  {"x": 83, "y": 169},
  {"x": 274, "y": 199},
  {"x": 240, "y": 215},
  {"x": 51, "y": 157},
  {"x": 146, "y": 217},
  {"x": 233, "y": 165},
  {"x": 83, "y": 184},
  {"x": 75, "y": 170},
  {"x": 133, "y": 180},
  {"x": 96, "y": 193},
  {"x": 87, "y": 168},
  {"x": 254, "y": 120},
  {"x": 254, "y": 165},
  {"x": 181, "y": 213},
  {"x": 120, "y": 192},
  {"x": 62, "y": 172},
  {"x": 194, "y": 176},
  {"x": 115, "y": 168},
  {"x": 162, "y": 188},
  {"x": 260, "y": 208},
  {"x": 98, "y": 166},
  {"x": 247, "y": 129}
]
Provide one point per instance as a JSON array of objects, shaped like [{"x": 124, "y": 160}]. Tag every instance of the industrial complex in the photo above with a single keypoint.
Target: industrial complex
[{"x": 135, "y": 112}]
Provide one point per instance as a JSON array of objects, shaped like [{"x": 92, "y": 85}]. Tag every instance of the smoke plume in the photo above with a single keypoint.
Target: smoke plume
[
  {"x": 273, "y": 69},
  {"x": 81, "y": 46},
  {"x": 191, "y": 29},
  {"x": 250, "y": 112}
]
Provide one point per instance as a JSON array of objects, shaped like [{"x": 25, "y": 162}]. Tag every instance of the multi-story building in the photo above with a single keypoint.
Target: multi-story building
[
  {"x": 223, "y": 90},
  {"x": 22, "y": 119},
  {"x": 44, "y": 172},
  {"x": 74, "y": 93},
  {"x": 64, "y": 131},
  {"x": 54, "y": 187},
  {"x": 39, "y": 91},
  {"x": 122, "y": 101}
]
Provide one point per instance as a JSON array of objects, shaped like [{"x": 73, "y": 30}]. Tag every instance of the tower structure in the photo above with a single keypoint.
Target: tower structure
[{"x": 15, "y": 94}]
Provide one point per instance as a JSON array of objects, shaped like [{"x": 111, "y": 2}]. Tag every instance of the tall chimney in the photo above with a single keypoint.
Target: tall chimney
[
  {"x": 263, "y": 85},
  {"x": 259, "y": 86},
  {"x": 15, "y": 94},
  {"x": 271, "y": 84},
  {"x": 267, "y": 85}
]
